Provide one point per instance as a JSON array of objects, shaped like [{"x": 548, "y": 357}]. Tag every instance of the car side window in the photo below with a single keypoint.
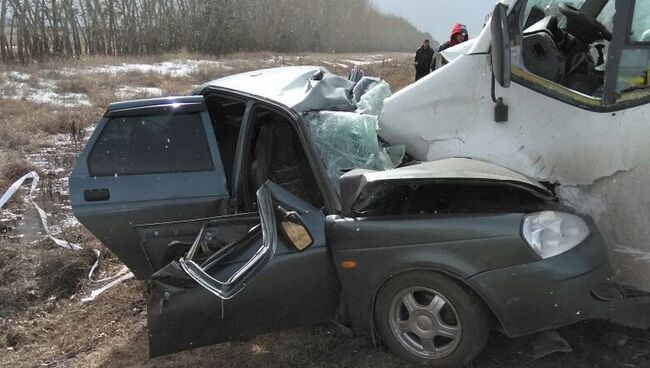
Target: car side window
[
  {"x": 606, "y": 16},
  {"x": 151, "y": 144},
  {"x": 641, "y": 22},
  {"x": 276, "y": 153},
  {"x": 552, "y": 51},
  {"x": 633, "y": 74}
]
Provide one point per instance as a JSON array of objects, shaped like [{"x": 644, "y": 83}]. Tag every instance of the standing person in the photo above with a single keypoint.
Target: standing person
[
  {"x": 458, "y": 35},
  {"x": 423, "y": 60}
]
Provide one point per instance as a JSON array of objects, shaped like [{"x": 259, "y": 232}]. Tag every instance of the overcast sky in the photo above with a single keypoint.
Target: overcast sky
[{"x": 438, "y": 16}]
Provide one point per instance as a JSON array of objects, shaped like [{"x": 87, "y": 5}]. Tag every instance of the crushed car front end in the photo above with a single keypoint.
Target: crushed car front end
[
  {"x": 549, "y": 293},
  {"x": 534, "y": 263}
]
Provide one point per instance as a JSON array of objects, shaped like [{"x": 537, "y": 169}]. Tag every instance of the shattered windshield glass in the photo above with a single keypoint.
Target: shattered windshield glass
[
  {"x": 348, "y": 140},
  {"x": 641, "y": 22},
  {"x": 550, "y": 7}
]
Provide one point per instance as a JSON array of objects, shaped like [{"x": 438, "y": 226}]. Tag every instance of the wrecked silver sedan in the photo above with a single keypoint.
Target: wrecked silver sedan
[{"x": 265, "y": 201}]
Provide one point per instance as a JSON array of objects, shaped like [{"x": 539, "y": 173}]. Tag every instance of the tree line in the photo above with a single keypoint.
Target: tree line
[{"x": 38, "y": 29}]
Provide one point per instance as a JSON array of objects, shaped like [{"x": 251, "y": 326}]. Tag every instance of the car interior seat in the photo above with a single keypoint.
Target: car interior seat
[
  {"x": 540, "y": 52},
  {"x": 279, "y": 156}
]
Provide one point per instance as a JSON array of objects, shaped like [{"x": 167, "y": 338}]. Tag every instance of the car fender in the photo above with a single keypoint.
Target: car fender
[{"x": 457, "y": 246}]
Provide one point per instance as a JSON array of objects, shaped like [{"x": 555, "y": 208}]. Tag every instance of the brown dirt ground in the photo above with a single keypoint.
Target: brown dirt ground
[{"x": 43, "y": 323}]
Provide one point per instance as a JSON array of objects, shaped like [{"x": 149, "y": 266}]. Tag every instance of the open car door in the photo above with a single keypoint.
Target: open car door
[
  {"x": 148, "y": 161},
  {"x": 245, "y": 275}
]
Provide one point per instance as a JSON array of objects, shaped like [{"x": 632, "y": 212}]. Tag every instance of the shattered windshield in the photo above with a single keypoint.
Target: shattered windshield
[
  {"x": 550, "y": 7},
  {"x": 641, "y": 22}
]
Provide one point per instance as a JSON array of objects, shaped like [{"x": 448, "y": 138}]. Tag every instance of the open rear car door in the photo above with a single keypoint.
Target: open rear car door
[
  {"x": 243, "y": 275},
  {"x": 148, "y": 161}
]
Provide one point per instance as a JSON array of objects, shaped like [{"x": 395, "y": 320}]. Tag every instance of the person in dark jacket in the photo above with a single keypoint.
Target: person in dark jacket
[
  {"x": 423, "y": 60},
  {"x": 458, "y": 35}
]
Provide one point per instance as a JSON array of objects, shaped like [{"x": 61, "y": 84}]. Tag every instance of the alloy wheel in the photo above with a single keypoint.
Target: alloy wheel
[{"x": 425, "y": 322}]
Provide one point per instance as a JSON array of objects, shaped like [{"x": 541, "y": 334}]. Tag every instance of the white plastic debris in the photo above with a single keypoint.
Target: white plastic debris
[
  {"x": 95, "y": 267},
  {"x": 33, "y": 176},
  {"x": 121, "y": 276},
  {"x": 16, "y": 185},
  {"x": 95, "y": 293}
]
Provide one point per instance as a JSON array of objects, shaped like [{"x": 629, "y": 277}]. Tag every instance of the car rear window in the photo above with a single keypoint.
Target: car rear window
[{"x": 151, "y": 144}]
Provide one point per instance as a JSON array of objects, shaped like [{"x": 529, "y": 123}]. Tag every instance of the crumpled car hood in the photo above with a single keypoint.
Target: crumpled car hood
[{"x": 352, "y": 183}]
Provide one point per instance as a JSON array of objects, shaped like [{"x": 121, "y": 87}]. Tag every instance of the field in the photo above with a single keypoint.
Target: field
[{"x": 47, "y": 111}]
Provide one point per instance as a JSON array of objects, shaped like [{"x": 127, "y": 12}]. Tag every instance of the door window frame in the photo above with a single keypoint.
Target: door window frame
[
  {"x": 625, "y": 42},
  {"x": 164, "y": 107},
  {"x": 331, "y": 197},
  {"x": 303, "y": 135}
]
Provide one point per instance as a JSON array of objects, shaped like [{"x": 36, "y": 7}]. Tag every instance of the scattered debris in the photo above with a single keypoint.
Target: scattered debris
[
  {"x": 59, "y": 283},
  {"x": 33, "y": 176},
  {"x": 95, "y": 293},
  {"x": 550, "y": 342},
  {"x": 614, "y": 340}
]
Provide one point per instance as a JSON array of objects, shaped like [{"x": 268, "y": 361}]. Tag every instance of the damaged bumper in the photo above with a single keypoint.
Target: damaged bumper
[{"x": 550, "y": 293}]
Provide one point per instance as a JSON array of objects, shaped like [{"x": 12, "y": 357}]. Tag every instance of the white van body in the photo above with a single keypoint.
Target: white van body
[{"x": 599, "y": 159}]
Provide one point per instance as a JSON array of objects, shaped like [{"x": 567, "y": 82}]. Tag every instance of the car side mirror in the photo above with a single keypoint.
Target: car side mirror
[
  {"x": 501, "y": 62},
  {"x": 294, "y": 229}
]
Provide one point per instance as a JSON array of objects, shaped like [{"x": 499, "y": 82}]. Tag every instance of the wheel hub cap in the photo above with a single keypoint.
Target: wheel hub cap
[{"x": 425, "y": 322}]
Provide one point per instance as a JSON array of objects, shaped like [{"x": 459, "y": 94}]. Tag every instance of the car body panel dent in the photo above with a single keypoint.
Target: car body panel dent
[
  {"x": 547, "y": 294},
  {"x": 291, "y": 289},
  {"x": 461, "y": 246}
]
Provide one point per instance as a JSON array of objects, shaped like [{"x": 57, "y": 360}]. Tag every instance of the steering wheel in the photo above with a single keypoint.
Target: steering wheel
[{"x": 583, "y": 27}]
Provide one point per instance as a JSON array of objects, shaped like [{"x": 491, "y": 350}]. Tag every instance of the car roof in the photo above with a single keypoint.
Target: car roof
[{"x": 287, "y": 85}]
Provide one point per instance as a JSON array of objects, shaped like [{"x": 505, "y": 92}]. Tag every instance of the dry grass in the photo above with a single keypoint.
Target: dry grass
[
  {"x": 13, "y": 136},
  {"x": 42, "y": 323},
  {"x": 60, "y": 274},
  {"x": 28, "y": 275},
  {"x": 12, "y": 167},
  {"x": 76, "y": 84}
]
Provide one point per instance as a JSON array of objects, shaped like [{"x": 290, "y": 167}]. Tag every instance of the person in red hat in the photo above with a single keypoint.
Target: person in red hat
[{"x": 458, "y": 35}]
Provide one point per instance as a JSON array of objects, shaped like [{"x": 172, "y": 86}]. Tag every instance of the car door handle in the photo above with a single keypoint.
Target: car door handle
[{"x": 96, "y": 195}]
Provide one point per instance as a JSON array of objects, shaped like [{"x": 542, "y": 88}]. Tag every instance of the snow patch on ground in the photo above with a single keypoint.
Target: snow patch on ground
[
  {"x": 129, "y": 92},
  {"x": 174, "y": 68},
  {"x": 41, "y": 91},
  {"x": 53, "y": 192},
  {"x": 340, "y": 65},
  {"x": 17, "y": 76},
  {"x": 366, "y": 62}
]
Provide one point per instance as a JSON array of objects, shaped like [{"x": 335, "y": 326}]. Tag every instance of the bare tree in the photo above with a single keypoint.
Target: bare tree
[
  {"x": 5, "y": 49},
  {"x": 71, "y": 28}
]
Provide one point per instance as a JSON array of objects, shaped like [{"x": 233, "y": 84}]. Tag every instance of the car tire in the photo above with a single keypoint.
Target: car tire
[{"x": 430, "y": 319}]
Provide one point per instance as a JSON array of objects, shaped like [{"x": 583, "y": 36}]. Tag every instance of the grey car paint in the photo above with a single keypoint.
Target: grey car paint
[
  {"x": 294, "y": 288},
  {"x": 485, "y": 252},
  {"x": 297, "y": 288},
  {"x": 139, "y": 199}
]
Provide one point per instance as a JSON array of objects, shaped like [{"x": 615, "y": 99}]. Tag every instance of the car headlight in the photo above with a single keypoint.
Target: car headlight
[{"x": 552, "y": 233}]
